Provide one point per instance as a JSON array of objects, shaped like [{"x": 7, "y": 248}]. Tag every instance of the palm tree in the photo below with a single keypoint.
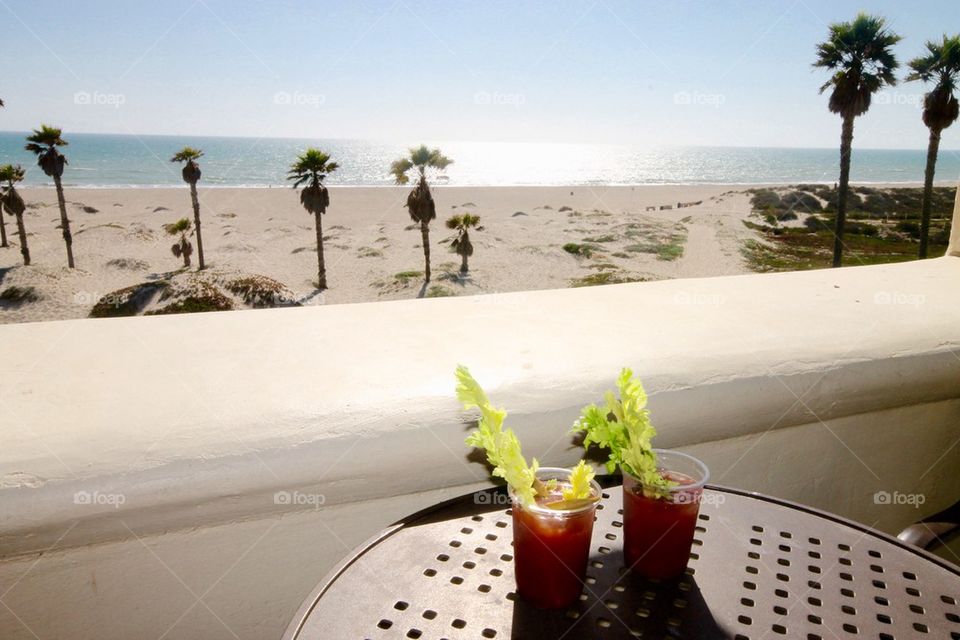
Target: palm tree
[
  {"x": 312, "y": 167},
  {"x": 182, "y": 247},
  {"x": 859, "y": 53},
  {"x": 3, "y": 231},
  {"x": 420, "y": 201},
  {"x": 13, "y": 204},
  {"x": 191, "y": 175},
  {"x": 44, "y": 143},
  {"x": 941, "y": 65},
  {"x": 461, "y": 245}
]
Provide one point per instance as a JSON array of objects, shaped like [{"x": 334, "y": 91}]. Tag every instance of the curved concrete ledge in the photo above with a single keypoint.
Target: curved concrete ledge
[{"x": 199, "y": 420}]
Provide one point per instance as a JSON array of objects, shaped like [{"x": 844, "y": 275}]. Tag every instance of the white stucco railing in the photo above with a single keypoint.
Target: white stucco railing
[{"x": 202, "y": 472}]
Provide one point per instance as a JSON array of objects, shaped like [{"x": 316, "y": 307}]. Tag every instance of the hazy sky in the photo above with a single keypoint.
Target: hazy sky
[{"x": 718, "y": 72}]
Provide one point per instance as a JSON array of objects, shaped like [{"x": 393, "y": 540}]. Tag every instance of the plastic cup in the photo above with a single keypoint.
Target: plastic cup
[
  {"x": 551, "y": 547},
  {"x": 658, "y": 532}
]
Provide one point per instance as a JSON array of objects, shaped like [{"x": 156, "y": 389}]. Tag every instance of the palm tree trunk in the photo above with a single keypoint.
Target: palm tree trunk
[
  {"x": 3, "y": 231},
  {"x": 463, "y": 264},
  {"x": 64, "y": 222},
  {"x": 196, "y": 224},
  {"x": 846, "y": 146},
  {"x": 321, "y": 267},
  {"x": 425, "y": 234},
  {"x": 184, "y": 251},
  {"x": 22, "y": 232},
  {"x": 932, "y": 148}
]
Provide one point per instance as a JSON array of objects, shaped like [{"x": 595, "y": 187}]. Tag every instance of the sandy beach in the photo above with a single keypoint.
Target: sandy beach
[{"x": 372, "y": 251}]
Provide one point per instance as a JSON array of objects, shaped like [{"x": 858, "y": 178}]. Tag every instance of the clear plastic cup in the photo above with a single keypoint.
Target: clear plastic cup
[
  {"x": 658, "y": 532},
  {"x": 551, "y": 546}
]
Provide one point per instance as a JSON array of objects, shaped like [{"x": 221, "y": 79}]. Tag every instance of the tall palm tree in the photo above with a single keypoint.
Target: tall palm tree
[
  {"x": 461, "y": 245},
  {"x": 859, "y": 53},
  {"x": 941, "y": 65},
  {"x": 420, "y": 202},
  {"x": 44, "y": 142},
  {"x": 182, "y": 247},
  {"x": 191, "y": 175},
  {"x": 13, "y": 204},
  {"x": 312, "y": 167}
]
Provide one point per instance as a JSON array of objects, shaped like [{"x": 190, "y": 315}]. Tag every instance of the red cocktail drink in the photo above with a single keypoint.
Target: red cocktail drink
[
  {"x": 658, "y": 531},
  {"x": 551, "y": 545}
]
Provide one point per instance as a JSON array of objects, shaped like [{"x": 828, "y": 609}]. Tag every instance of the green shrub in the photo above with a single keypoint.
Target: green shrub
[
  {"x": 912, "y": 229},
  {"x": 585, "y": 250},
  {"x": 765, "y": 199},
  {"x": 800, "y": 201}
]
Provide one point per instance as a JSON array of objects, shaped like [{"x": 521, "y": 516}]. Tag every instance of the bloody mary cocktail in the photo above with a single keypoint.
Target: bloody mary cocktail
[
  {"x": 551, "y": 544},
  {"x": 658, "y": 530}
]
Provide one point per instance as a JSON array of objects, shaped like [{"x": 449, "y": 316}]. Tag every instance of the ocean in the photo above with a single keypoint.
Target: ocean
[{"x": 97, "y": 160}]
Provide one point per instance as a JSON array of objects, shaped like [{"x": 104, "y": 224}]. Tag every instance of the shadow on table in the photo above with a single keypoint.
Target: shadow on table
[{"x": 621, "y": 605}]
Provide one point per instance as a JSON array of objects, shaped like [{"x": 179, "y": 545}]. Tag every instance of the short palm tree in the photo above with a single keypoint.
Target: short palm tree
[
  {"x": 312, "y": 167},
  {"x": 940, "y": 65},
  {"x": 420, "y": 202},
  {"x": 13, "y": 204},
  {"x": 461, "y": 245},
  {"x": 859, "y": 53},
  {"x": 191, "y": 175},
  {"x": 182, "y": 247},
  {"x": 44, "y": 142}
]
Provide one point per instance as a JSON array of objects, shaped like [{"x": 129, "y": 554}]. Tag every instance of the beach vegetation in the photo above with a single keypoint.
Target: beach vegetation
[
  {"x": 13, "y": 296},
  {"x": 406, "y": 276},
  {"x": 311, "y": 168},
  {"x": 369, "y": 252},
  {"x": 860, "y": 56},
  {"x": 128, "y": 264},
  {"x": 941, "y": 66},
  {"x": 198, "y": 296},
  {"x": 194, "y": 292},
  {"x": 129, "y": 301},
  {"x": 461, "y": 244},
  {"x": 672, "y": 250},
  {"x": 191, "y": 175},
  {"x": 45, "y": 143},
  {"x": 420, "y": 203},
  {"x": 606, "y": 277},
  {"x": 260, "y": 292},
  {"x": 439, "y": 291},
  {"x": 868, "y": 242},
  {"x": 13, "y": 204},
  {"x": 584, "y": 250}
]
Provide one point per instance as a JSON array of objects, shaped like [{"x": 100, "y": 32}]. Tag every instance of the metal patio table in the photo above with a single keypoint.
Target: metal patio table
[{"x": 759, "y": 568}]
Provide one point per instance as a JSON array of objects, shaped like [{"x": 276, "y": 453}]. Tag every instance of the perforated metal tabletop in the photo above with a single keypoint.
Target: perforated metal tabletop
[{"x": 759, "y": 568}]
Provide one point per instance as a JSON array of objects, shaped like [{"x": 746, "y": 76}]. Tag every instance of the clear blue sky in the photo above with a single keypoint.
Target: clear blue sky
[{"x": 722, "y": 72}]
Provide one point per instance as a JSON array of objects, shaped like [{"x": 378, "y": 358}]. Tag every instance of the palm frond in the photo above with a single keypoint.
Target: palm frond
[
  {"x": 941, "y": 64},
  {"x": 438, "y": 160},
  {"x": 11, "y": 173},
  {"x": 187, "y": 154},
  {"x": 47, "y": 135},
  {"x": 861, "y": 56},
  {"x": 313, "y": 164},
  {"x": 399, "y": 170},
  {"x": 180, "y": 226}
]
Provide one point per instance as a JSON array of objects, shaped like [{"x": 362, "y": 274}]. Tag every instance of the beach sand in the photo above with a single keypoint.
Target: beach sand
[{"x": 119, "y": 240}]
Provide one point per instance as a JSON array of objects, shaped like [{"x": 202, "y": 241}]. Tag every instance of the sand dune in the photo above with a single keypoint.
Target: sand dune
[{"x": 372, "y": 250}]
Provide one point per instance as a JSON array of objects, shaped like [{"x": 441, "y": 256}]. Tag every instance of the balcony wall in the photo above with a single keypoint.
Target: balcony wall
[{"x": 142, "y": 457}]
